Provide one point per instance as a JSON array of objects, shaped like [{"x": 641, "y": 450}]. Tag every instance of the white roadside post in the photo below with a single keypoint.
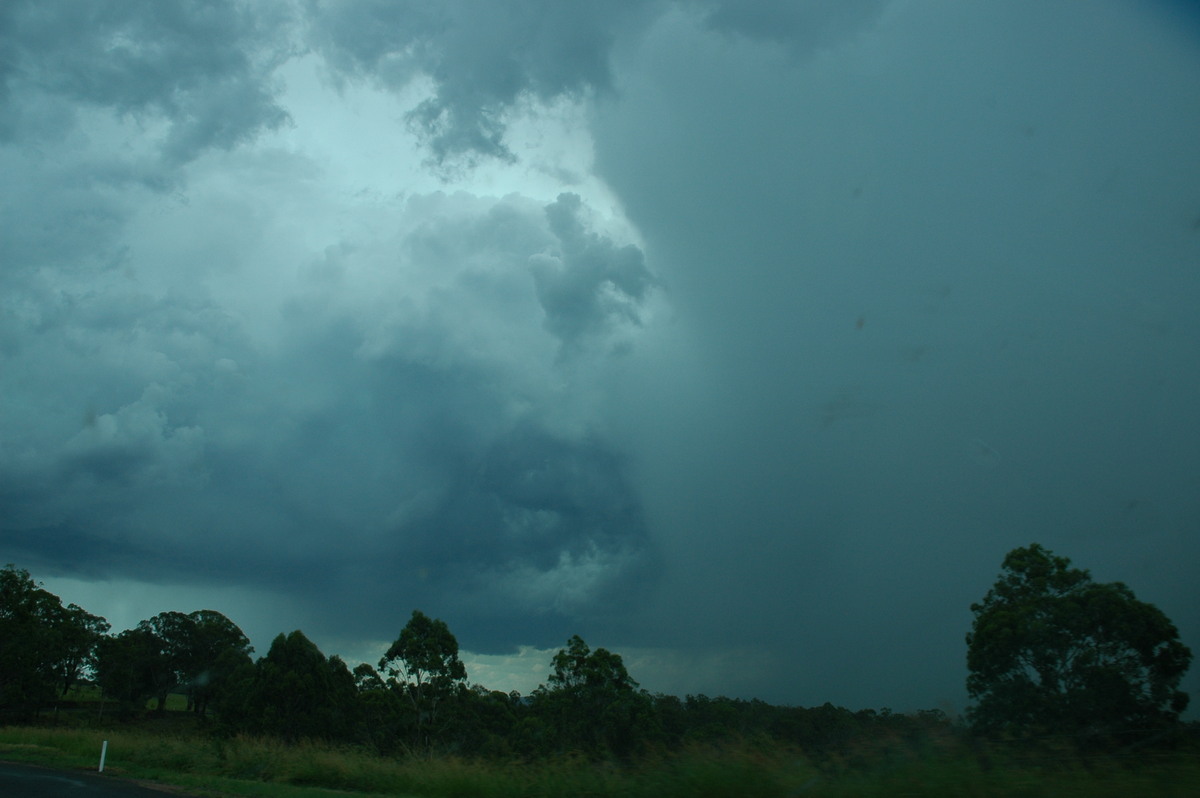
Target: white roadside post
[{"x": 103, "y": 751}]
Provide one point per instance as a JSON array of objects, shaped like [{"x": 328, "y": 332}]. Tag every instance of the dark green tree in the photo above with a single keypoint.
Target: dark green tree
[
  {"x": 198, "y": 653},
  {"x": 387, "y": 719},
  {"x": 133, "y": 667},
  {"x": 172, "y": 632},
  {"x": 1051, "y": 651},
  {"x": 366, "y": 678},
  {"x": 44, "y": 646},
  {"x": 293, "y": 693},
  {"x": 577, "y": 667},
  {"x": 213, "y": 649},
  {"x": 423, "y": 665},
  {"x": 480, "y": 722},
  {"x": 594, "y": 704},
  {"x": 77, "y": 632}
]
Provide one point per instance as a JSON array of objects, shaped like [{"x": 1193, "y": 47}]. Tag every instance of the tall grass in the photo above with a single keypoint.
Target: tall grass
[{"x": 249, "y": 766}]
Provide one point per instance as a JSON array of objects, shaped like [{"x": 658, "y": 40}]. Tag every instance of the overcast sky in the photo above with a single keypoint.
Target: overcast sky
[{"x": 741, "y": 338}]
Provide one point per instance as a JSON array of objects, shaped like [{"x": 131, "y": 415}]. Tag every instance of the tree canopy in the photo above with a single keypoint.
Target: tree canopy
[
  {"x": 423, "y": 664},
  {"x": 1051, "y": 651},
  {"x": 194, "y": 653},
  {"x": 593, "y": 702},
  {"x": 214, "y": 648},
  {"x": 44, "y": 646},
  {"x": 295, "y": 692},
  {"x": 132, "y": 667}
]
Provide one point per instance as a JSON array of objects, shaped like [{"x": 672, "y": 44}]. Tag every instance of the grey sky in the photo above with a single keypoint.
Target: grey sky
[{"x": 741, "y": 338}]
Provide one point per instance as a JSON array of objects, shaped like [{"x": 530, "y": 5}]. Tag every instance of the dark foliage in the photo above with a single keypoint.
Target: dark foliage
[
  {"x": 44, "y": 646},
  {"x": 133, "y": 667},
  {"x": 593, "y": 705},
  {"x": 1053, "y": 653},
  {"x": 195, "y": 654},
  {"x": 1050, "y": 652},
  {"x": 423, "y": 667},
  {"x": 294, "y": 693}
]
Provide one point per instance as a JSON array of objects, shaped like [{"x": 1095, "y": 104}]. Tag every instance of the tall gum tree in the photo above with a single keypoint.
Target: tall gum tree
[
  {"x": 423, "y": 664},
  {"x": 593, "y": 703},
  {"x": 1052, "y": 652}
]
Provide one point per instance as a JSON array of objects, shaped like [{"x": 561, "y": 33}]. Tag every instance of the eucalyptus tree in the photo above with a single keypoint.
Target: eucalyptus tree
[
  {"x": 78, "y": 632},
  {"x": 423, "y": 665},
  {"x": 170, "y": 633},
  {"x": 213, "y": 648},
  {"x": 44, "y": 647},
  {"x": 295, "y": 693},
  {"x": 1051, "y": 651},
  {"x": 132, "y": 667},
  {"x": 593, "y": 702},
  {"x": 199, "y": 650}
]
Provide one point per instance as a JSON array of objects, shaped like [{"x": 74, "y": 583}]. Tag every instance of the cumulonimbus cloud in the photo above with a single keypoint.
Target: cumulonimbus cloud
[{"x": 401, "y": 424}]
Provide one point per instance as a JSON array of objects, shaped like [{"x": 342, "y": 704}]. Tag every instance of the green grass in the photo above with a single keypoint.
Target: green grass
[{"x": 244, "y": 766}]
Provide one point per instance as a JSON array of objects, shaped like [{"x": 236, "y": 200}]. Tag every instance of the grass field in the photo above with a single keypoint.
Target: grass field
[{"x": 209, "y": 766}]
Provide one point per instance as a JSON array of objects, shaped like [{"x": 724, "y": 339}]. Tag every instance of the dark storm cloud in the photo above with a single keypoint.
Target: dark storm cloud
[
  {"x": 913, "y": 284},
  {"x": 483, "y": 499},
  {"x": 203, "y": 67},
  {"x": 546, "y": 527},
  {"x": 482, "y": 58},
  {"x": 400, "y": 445},
  {"x": 590, "y": 282},
  {"x": 102, "y": 431},
  {"x": 910, "y": 271}
]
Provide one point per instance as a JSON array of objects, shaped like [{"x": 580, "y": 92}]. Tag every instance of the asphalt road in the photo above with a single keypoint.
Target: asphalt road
[{"x": 28, "y": 781}]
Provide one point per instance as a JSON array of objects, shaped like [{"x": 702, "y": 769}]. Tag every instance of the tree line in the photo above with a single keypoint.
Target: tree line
[{"x": 1050, "y": 652}]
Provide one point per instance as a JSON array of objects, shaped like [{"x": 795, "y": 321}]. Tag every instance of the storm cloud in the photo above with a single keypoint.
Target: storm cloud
[
  {"x": 743, "y": 338},
  {"x": 483, "y": 61},
  {"x": 402, "y": 427}
]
